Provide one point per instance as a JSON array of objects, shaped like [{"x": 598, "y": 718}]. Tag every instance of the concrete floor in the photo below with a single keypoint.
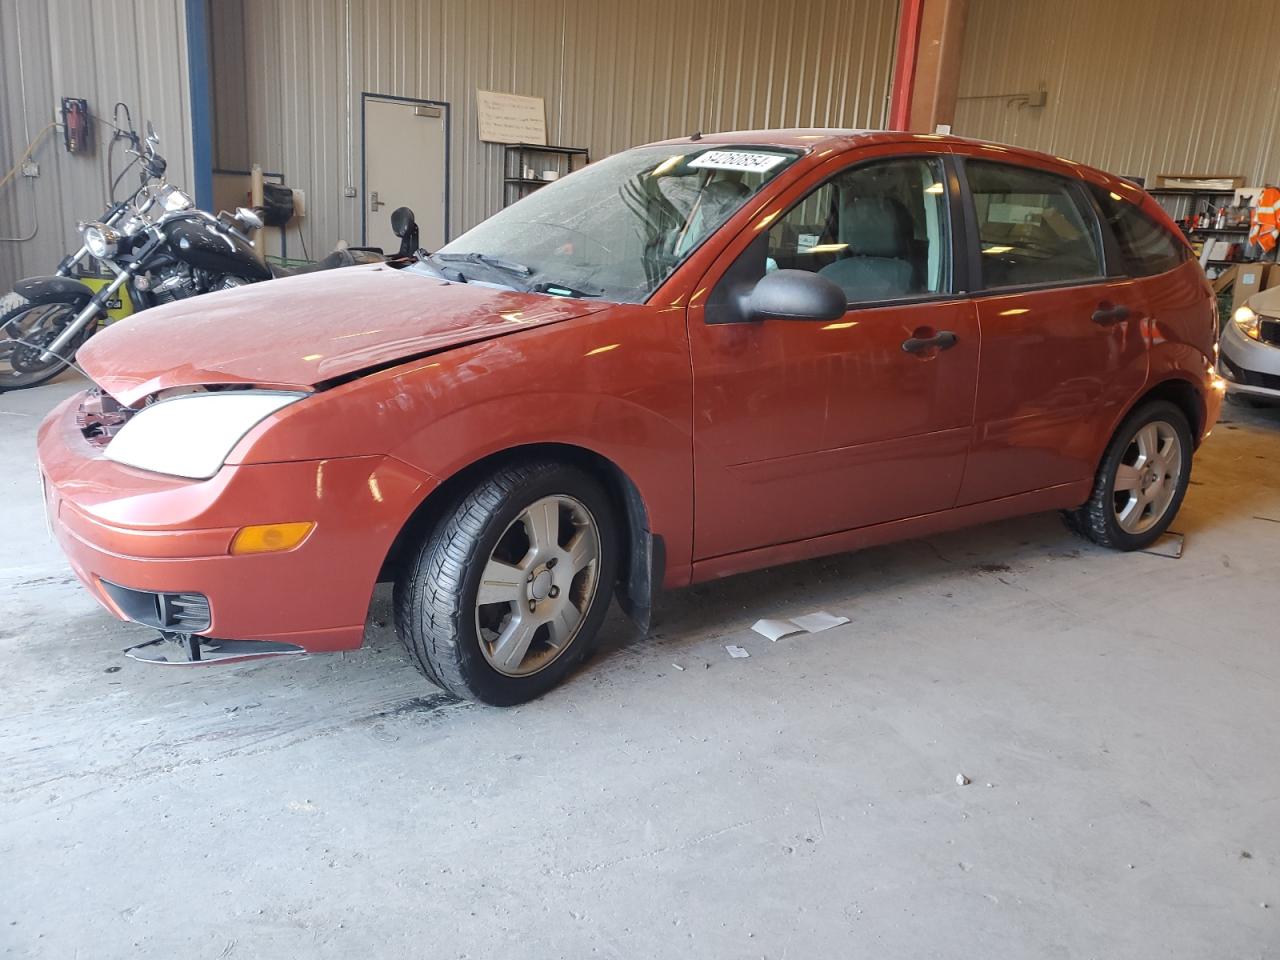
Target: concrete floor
[{"x": 1116, "y": 713}]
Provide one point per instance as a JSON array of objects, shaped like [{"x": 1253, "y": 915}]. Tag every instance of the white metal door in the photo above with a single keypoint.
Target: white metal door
[{"x": 405, "y": 166}]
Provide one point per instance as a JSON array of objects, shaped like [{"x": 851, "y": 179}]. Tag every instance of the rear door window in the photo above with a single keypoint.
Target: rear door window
[
  {"x": 1146, "y": 248},
  {"x": 1034, "y": 227}
]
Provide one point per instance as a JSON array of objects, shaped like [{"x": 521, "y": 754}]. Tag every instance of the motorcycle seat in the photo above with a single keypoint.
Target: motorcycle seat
[{"x": 339, "y": 258}]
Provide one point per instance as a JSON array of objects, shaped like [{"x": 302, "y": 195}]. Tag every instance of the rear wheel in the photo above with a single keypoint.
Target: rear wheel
[
  {"x": 507, "y": 593},
  {"x": 1141, "y": 480},
  {"x": 25, "y": 330}
]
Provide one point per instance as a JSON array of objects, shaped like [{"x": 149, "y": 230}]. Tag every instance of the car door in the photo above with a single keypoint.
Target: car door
[
  {"x": 803, "y": 428},
  {"x": 1063, "y": 344}
]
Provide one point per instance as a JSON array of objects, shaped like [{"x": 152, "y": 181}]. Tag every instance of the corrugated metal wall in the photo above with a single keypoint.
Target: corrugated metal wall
[
  {"x": 612, "y": 73},
  {"x": 1164, "y": 86},
  {"x": 103, "y": 50}
]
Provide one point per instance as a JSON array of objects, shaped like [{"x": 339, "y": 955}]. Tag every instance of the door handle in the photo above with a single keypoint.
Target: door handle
[
  {"x": 375, "y": 203},
  {"x": 943, "y": 340},
  {"x": 1110, "y": 313}
]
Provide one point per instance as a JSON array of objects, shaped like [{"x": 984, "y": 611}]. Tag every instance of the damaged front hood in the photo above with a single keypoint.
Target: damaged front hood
[{"x": 303, "y": 331}]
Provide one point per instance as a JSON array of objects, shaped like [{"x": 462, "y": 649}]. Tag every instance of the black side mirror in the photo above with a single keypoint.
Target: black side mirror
[
  {"x": 795, "y": 295},
  {"x": 405, "y": 226}
]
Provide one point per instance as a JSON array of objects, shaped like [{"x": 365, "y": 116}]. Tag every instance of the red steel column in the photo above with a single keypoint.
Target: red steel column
[
  {"x": 927, "y": 69},
  {"x": 904, "y": 65}
]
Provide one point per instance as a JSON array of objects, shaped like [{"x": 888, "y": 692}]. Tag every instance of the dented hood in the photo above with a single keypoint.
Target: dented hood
[{"x": 305, "y": 330}]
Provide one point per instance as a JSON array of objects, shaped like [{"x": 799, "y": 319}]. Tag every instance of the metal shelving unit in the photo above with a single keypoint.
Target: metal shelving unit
[
  {"x": 519, "y": 160},
  {"x": 1180, "y": 202}
]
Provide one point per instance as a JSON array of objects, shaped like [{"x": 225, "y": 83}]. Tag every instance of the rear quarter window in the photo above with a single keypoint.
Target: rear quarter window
[{"x": 1146, "y": 247}]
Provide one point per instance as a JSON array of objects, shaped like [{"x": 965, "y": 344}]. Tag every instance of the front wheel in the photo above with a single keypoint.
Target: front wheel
[
  {"x": 26, "y": 328},
  {"x": 1141, "y": 480},
  {"x": 507, "y": 593}
]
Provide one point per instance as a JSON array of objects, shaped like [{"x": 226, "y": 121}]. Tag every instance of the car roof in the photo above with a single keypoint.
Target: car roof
[{"x": 818, "y": 139}]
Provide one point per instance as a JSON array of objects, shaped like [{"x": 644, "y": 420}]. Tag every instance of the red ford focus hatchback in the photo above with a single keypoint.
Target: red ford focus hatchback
[{"x": 684, "y": 361}]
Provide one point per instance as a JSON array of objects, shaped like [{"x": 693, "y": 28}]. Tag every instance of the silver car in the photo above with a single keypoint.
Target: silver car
[{"x": 1249, "y": 349}]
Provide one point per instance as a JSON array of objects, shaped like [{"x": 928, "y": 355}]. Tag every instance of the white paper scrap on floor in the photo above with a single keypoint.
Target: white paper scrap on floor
[{"x": 808, "y": 623}]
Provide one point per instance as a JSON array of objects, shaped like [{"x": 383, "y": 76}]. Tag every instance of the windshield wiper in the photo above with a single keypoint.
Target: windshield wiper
[
  {"x": 498, "y": 263},
  {"x": 584, "y": 291},
  {"x": 448, "y": 273}
]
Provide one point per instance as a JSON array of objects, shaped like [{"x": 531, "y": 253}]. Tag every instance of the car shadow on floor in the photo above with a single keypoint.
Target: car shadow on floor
[{"x": 725, "y": 609}]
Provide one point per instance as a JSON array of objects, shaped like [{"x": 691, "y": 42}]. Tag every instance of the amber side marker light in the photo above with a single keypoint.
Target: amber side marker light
[{"x": 270, "y": 537}]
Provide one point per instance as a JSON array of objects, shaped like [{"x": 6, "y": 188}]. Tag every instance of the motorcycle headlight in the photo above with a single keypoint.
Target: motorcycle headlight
[
  {"x": 103, "y": 241},
  {"x": 1247, "y": 321},
  {"x": 192, "y": 435}
]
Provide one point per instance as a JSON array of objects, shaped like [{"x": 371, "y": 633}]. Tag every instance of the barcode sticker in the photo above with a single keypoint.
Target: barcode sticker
[{"x": 745, "y": 161}]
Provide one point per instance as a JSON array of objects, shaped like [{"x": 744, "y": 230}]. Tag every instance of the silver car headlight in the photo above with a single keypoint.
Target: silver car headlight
[
  {"x": 1247, "y": 322},
  {"x": 103, "y": 241},
  {"x": 192, "y": 435}
]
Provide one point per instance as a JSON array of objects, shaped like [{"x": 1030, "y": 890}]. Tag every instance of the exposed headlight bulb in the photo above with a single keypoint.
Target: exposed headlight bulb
[{"x": 1247, "y": 321}]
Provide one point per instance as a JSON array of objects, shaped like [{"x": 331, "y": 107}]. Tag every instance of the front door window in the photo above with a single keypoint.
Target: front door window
[{"x": 879, "y": 231}]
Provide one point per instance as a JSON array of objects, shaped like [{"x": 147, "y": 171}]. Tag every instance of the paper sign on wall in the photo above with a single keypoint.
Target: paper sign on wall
[{"x": 509, "y": 118}]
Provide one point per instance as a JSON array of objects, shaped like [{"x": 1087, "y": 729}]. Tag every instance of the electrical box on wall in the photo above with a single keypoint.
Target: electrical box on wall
[{"x": 77, "y": 128}]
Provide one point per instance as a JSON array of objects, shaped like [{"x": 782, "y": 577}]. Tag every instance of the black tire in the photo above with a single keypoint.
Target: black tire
[
  {"x": 18, "y": 369},
  {"x": 1096, "y": 519},
  {"x": 1249, "y": 400},
  {"x": 435, "y": 598}
]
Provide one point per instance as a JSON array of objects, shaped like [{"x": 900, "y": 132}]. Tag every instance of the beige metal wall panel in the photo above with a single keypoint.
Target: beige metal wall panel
[
  {"x": 612, "y": 75},
  {"x": 1165, "y": 86},
  {"x": 103, "y": 50}
]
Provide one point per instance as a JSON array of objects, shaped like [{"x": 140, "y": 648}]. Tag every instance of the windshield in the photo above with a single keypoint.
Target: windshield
[{"x": 617, "y": 228}]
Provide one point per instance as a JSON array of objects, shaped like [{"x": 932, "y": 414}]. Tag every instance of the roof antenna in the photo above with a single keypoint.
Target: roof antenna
[{"x": 697, "y": 135}]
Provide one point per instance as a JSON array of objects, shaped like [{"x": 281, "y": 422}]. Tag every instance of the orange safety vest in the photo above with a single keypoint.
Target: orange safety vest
[{"x": 1264, "y": 227}]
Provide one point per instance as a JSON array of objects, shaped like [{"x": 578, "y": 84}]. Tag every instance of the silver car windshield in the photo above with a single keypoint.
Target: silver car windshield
[{"x": 617, "y": 228}]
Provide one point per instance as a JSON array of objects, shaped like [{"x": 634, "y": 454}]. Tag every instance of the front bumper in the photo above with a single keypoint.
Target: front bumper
[
  {"x": 148, "y": 532},
  {"x": 1249, "y": 366}
]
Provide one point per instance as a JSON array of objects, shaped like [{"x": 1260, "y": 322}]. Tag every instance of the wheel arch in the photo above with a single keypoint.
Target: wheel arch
[
  {"x": 643, "y": 557},
  {"x": 1183, "y": 394}
]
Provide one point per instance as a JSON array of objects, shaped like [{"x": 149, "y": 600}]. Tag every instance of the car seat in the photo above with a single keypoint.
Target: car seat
[{"x": 877, "y": 264}]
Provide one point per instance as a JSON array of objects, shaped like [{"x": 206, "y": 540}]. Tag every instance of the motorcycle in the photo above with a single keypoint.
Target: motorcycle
[{"x": 159, "y": 247}]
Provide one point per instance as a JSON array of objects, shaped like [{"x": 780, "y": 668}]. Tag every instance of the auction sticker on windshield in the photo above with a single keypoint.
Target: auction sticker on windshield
[{"x": 743, "y": 160}]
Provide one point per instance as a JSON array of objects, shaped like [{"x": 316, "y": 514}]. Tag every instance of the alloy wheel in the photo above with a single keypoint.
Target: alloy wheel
[
  {"x": 1147, "y": 477},
  {"x": 537, "y": 586}
]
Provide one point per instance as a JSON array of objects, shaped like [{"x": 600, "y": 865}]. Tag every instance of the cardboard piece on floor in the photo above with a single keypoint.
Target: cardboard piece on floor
[
  {"x": 815, "y": 622},
  {"x": 736, "y": 652},
  {"x": 1169, "y": 545}
]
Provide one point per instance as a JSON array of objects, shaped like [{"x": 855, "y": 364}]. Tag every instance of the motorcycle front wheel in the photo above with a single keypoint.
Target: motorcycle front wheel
[{"x": 26, "y": 328}]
